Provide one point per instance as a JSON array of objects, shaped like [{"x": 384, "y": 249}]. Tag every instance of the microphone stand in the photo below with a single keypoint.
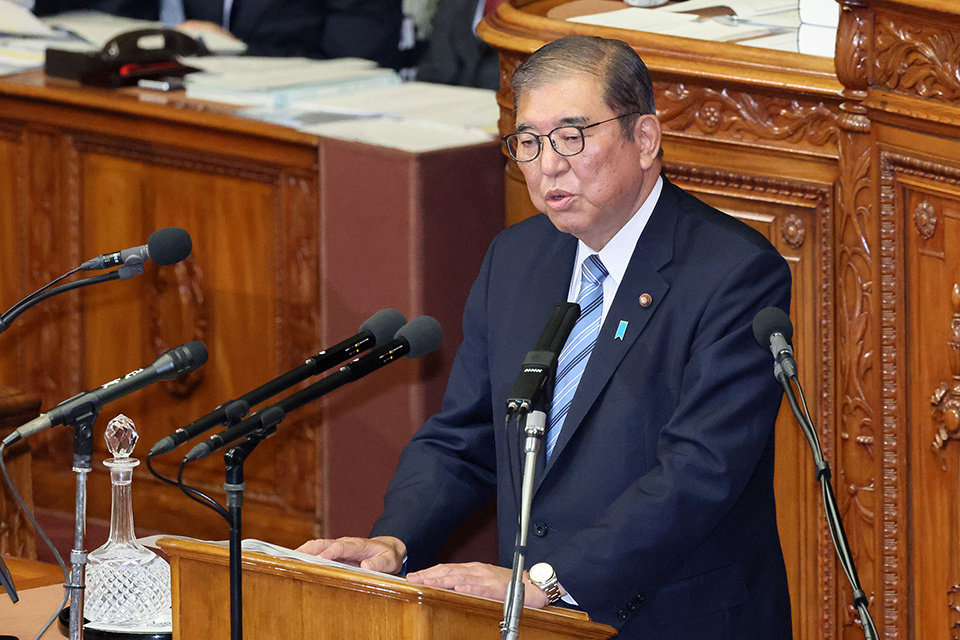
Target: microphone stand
[
  {"x": 832, "y": 511},
  {"x": 535, "y": 427},
  {"x": 82, "y": 465},
  {"x": 234, "y": 487}
]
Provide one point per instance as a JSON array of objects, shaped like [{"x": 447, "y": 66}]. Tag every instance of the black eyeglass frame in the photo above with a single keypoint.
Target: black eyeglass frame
[{"x": 549, "y": 136}]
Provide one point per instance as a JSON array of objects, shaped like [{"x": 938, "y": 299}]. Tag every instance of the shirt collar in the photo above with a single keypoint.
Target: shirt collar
[{"x": 618, "y": 251}]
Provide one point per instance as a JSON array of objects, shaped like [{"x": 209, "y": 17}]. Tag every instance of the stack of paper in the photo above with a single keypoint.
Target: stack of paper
[
  {"x": 273, "y": 83},
  {"x": 98, "y": 28},
  {"x": 805, "y": 26},
  {"x": 23, "y": 38},
  {"x": 413, "y": 116}
]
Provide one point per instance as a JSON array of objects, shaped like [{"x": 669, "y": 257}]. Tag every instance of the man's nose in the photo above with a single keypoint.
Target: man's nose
[{"x": 552, "y": 162}]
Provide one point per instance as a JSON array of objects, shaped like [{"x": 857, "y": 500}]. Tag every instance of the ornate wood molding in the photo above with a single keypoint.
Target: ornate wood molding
[
  {"x": 854, "y": 38},
  {"x": 925, "y": 220},
  {"x": 299, "y": 479},
  {"x": 777, "y": 190},
  {"x": 918, "y": 59},
  {"x": 179, "y": 301},
  {"x": 793, "y": 230},
  {"x": 946, "y": 398},
  {"x": 746, "y": 117},
  {"x": 178, "y": 158},
  {"x": 53, "y": 171},
  {"x": 857, "y": 309}
]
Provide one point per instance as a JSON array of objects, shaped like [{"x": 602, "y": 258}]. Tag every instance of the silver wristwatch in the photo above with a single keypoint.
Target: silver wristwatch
[{"x": 543, "y": 576}]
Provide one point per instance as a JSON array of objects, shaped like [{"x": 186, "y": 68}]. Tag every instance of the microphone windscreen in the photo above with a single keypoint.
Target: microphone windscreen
[
  {"x": 769, "y": 321},
  {"x": 423, "y": 334},
  {"x": 384, "y": 325},
  {"x": 169, "y": 246},
  {"x": 189, "y": 356}
]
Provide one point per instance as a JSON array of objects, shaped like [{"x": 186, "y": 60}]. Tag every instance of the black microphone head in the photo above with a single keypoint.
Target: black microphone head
[
  {"x": 186, "y": 357},
  {"x": 384, "y": 325},
  {"x": 769, "y": 321},
  {"x": 169, "y": 246},
  {"x": 423, "y": 334}
]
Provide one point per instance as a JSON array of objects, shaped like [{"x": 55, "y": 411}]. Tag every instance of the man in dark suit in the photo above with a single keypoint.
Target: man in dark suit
[
  {"x": 310, "y": 28},
  {"x": 655, "y": 507},
  {"x": 454, "y": 54}
]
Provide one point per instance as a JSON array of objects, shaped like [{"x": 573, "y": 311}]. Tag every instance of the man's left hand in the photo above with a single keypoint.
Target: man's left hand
[{"x": 477, "y": 579}]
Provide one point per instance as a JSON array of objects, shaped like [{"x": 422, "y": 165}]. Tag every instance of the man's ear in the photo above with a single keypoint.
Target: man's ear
[{"x": 647, "y": 133}]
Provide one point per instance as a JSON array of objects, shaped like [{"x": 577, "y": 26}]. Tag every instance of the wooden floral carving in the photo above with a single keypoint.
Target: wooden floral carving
[
  {"x": 946, "y": 398},
  {"x": 918, "y": 59},
  {"x": 925, "y": 218},
  {"x": 743, "y": 116}
]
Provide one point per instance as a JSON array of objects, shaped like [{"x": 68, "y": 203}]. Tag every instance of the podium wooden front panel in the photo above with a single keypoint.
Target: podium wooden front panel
[
  {"x": 285, "y": 598},
  {"x": 297, "y": 240}
]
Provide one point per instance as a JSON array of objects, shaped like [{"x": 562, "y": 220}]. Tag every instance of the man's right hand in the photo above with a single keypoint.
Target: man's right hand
[{"x": 383, "y": 553}]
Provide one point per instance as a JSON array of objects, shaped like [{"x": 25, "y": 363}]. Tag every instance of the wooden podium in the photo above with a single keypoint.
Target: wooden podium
[{"x": 285, "y": 598}]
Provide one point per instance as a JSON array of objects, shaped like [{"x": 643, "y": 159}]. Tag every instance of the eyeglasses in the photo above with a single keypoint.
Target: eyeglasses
[{"x": 567, "y": 140}]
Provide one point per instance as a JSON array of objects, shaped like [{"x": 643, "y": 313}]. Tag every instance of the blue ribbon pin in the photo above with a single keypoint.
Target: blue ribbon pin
[{"x": 621, "y": 330}]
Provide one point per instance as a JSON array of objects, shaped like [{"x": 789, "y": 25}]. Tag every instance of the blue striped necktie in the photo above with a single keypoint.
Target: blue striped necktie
[{"x": 576, "y": 351}]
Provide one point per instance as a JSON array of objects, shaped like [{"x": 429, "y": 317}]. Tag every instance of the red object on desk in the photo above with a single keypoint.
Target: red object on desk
[{"x": 489, "y": 6}]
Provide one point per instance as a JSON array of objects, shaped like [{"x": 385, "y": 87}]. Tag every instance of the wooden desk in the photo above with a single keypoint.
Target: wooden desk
[
  {"x": 297, "y": 240},
  {"x": 40, "y": 589},
  {"x": 850, "y": 166}
]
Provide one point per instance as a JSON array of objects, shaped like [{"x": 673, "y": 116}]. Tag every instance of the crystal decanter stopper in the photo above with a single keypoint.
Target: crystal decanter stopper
[{"x": 126, "y": 584}]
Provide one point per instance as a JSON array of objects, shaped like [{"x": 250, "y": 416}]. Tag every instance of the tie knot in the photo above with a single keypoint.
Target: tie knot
[{"x": 593, "y": 269}]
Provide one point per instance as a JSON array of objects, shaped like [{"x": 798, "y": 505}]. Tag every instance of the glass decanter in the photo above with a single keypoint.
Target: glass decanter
[{"x": 126, "y": 583}]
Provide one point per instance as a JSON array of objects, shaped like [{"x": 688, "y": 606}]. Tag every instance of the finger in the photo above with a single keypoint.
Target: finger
[
  {"x": 314, "y": 547},
  {"x": 443, "y": 570},
  {"x": 383, "y": 562}
]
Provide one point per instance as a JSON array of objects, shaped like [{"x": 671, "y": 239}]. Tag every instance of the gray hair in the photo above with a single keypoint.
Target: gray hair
[{"x": 626, "y": 82}]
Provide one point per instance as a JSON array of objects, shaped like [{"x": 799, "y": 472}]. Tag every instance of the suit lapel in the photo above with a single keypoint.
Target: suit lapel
[
  {"x": 642, "y": 279},
  {"x": 548, "y": 284}
]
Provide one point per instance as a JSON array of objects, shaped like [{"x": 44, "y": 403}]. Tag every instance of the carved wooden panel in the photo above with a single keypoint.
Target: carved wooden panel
[
  {"x": 743, "y": 116},
  {"x": 16, "y": 533},
  {"x": 12, "y": 171},
  {"x": 919, "y": 56},
  {"x": 931, "y": 279}
]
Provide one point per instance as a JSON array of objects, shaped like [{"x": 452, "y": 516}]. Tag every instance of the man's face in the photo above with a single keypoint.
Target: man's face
[{"x": 593, "y": 194}]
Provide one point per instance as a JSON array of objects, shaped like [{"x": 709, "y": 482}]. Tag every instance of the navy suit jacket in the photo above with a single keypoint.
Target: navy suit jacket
[
  {"x": 656, "y": 508},
  {"x": 311, "y": 28}
]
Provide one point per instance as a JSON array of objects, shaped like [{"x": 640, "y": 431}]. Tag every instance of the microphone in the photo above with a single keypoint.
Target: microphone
[
  {"x": 418, "y": 337},
  {"x": 773, "y": 330},
  {"x": 378, "y": 329},
  {"x": 539, "y": 366},
  {"x": 165, "y": 246},
  {"x": 170, "y": 365}
]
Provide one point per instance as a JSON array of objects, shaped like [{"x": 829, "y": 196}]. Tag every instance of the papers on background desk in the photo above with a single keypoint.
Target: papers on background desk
[
  {"x": 770, "y": 24},
  {"x": 684, "y": 25},
  {"x": 24, "y": 38},
  {"x": 273, "y": 83},
  {"x": 98, "y": 28},
  {"x": 412, "y": 116}
]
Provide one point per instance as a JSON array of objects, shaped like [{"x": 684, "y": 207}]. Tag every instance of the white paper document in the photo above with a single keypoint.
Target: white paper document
[
  {"x": 17, "y": 20},
  {"x": 275, "y": 550}
]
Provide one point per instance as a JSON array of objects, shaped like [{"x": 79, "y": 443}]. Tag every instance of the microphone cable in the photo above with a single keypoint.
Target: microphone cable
[{"x": 43, "y": 535}]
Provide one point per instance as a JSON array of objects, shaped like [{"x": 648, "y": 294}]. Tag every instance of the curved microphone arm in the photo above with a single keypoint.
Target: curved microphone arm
[
  {"x": 29, "y": 301},
  {"x": 831, "y": 510}
]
